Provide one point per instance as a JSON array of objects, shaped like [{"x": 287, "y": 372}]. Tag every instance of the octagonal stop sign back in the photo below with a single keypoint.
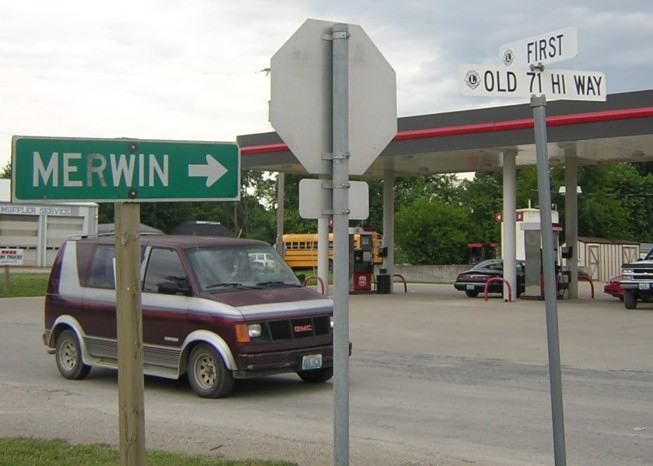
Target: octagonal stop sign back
[{"x": 301, "y": 106}]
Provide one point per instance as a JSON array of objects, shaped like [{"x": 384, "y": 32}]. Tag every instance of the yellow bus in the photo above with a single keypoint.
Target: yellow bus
[{"x": 300, "y": 249}]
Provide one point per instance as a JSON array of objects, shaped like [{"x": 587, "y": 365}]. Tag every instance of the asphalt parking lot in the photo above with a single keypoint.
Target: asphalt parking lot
[{"x": 436, "y": 378}]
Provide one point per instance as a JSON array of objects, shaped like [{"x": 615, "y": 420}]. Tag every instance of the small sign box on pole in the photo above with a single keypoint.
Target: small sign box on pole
[
  {"x": 11, "y": 256},
  {"x": 309, "y": 199}
]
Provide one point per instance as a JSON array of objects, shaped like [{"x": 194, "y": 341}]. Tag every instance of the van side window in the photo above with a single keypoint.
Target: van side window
[
  {"x": 101, "y": 273},
  {"x": 164, "y": 267}
]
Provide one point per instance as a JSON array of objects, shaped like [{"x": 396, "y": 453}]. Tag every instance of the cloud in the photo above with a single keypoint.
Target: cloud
[{"x": 191, "y": 70}]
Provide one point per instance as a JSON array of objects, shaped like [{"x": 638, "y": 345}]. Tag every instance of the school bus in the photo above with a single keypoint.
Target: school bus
[{"x": 300, "y": 249}]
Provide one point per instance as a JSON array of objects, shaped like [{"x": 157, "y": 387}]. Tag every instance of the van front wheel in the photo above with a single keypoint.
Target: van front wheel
[
  {"x": 207, "y": 374},
  {"x": 68, "y": 355}
]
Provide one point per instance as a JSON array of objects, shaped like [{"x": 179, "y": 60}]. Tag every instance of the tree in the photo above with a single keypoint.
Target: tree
[
  {"x": 252, "y": 217},
  {"x": 430, "y": 231},
  {"x": 605, "y": 218},
  {"x": 6, "y": 171},
  {"x": 443, "y": 187},
  {"x": 483, "y": 197},
  {"x": 616, "y": 202}
]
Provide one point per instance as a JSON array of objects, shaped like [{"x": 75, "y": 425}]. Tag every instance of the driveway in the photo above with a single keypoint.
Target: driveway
[{"x": 435, "y": 379}]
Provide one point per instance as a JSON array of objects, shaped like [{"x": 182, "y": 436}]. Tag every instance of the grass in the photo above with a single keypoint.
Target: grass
[
  {"x": 23, "y": 284},
  {"x": 32, "y": 452}
]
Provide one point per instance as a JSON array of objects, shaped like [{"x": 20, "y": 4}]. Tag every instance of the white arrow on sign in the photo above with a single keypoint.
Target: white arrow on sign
[{"x": 212, "y": 170}]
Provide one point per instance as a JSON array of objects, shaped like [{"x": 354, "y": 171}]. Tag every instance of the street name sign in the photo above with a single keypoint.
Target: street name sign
[
  {"x": 301, "y": 105},
  {"x": 116, "y": 170},
  {"x": 545, "y": 48},
  {"x": 499, "y": 81}
]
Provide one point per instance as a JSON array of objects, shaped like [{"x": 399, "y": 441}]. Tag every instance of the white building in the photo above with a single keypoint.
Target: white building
[
  {"x": 602, "y": 258},
  {"x": 40, "y": 229}
]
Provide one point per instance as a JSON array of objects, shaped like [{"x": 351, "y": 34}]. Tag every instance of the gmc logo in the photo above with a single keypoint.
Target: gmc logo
[{"x": 303, "y": 328}]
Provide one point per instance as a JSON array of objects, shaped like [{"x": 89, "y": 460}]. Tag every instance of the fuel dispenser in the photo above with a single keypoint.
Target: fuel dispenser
[
  {"x": 362, "y": 263},
  {"x": 529, "y": 249}
]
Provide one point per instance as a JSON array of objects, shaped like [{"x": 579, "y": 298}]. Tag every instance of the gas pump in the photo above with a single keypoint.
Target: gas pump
[
  {"x": 529, "y": 249},
  {"x": 363, "y": 266}
]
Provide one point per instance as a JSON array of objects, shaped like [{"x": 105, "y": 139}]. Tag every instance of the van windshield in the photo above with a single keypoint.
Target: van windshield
[{"x": 230, "y": 268}]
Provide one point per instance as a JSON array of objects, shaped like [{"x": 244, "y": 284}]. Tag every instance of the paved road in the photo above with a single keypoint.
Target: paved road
[{"x": 436, "y": 379}]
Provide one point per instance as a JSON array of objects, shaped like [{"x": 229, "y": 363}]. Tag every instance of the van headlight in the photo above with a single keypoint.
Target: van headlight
[
  {"x": 254, "y": 330},
  {"x": 331, "y": 321},
  {"x": 245, "y": 332}
]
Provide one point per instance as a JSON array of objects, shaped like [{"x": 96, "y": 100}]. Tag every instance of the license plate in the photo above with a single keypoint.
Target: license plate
[
  {"x": 470, "y": 287},
  {"x": 311, "y": 361},
  {"x": 644, "y": 286}
]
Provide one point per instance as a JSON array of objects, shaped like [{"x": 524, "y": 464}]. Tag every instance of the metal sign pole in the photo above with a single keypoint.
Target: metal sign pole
[
  {"x": 281, "y": 197},
  {"x": 323, "y": 231},
  {"x": 341, "y": 242},
  {"x": 538, "y": 104},
  {"x": 129, "y": 323}
]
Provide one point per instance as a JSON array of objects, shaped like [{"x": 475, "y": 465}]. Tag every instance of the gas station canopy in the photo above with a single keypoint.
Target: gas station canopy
[{"x": 618, "y": 130}]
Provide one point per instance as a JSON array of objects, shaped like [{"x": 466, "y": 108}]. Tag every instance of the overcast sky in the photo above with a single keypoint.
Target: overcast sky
[{"x": 191, "y": 70}]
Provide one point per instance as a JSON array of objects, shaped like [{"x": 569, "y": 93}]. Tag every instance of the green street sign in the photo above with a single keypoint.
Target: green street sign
[{"x": 116, "y": 170}]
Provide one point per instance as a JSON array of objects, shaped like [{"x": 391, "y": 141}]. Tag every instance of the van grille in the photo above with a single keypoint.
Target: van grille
[{"x": 297, "y": 328}]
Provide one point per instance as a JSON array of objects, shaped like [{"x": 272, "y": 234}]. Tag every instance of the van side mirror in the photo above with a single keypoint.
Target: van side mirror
[{"x": 302, "y": 278}]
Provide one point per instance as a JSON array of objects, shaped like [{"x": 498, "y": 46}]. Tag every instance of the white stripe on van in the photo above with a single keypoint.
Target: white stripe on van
[
  {"x": 297, "y": 306},
  {"x": 69, "y": 287}
]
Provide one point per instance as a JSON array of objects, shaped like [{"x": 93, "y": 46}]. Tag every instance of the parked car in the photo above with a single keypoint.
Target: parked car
[
  {"x": 613, "y": 287},
  {"x": 473, "y": 281},
  {"x": 637, "y": 281},
  {"x": 208, "y": 312}
]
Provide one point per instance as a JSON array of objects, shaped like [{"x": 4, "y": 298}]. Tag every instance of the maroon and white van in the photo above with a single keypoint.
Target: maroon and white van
[{"x": 212, "y": 309}]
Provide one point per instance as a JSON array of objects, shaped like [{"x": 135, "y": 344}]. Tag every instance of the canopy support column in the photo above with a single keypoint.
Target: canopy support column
[
  {"x": 571, "y": 220},
  {"x": 508, "y": 248}
]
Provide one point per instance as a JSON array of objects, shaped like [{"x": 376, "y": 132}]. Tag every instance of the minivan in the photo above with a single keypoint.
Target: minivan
[{"x": 209, "y": 311}]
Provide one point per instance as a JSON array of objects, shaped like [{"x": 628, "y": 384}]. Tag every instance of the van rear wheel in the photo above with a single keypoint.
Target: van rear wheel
[
  {"x": 68, "y": 355},
  {"x": 207, "y": 374}
]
